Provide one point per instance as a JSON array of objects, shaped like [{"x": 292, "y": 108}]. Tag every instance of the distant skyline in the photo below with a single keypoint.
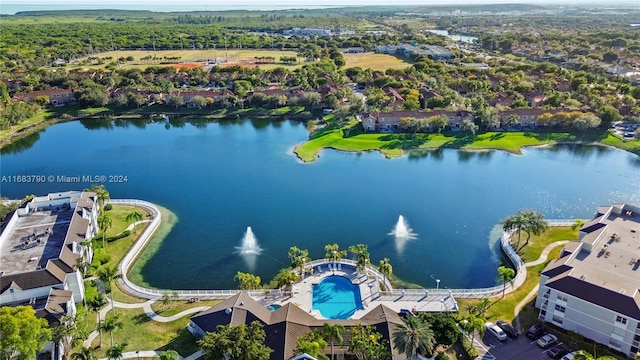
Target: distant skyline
[{"x": 304, "y": 3}]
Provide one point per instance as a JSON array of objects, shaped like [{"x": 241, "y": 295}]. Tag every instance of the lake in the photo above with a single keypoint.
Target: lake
[
  {"x": 220, "y": 178},
  {"x": 455, "y": 37}
]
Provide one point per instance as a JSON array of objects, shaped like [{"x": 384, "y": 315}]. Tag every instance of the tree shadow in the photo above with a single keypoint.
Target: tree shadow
[
  {"x": 497, "y": 136},
  {"x": 140, "y": 319},
  {"x": 184, "y": 343},
  {"x": 404, "y": 141}
]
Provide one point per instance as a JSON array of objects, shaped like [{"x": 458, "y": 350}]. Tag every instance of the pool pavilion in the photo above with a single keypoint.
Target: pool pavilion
[{"x": 292, "y": 315}]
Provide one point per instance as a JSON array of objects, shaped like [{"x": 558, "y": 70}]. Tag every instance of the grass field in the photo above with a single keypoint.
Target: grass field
[
  {"x": 372, "y": 61},
  {"x": 503, "y": 308},
  {"x": 190, "y": 55},
  {"x": 393, "y": 145}
]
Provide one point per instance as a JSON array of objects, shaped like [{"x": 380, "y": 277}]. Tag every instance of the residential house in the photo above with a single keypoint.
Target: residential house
[
  {"x": 593, "y": 289},
  {"x": 57, "y": 97},
  {"x": 501, "y": 99},
  {"x": 389, "y": 121},
  {"x": 526, "y": 117},
  {"x": 284, "y": 326}
]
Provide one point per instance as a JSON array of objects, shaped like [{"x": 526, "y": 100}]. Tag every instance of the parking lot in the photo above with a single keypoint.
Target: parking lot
[{"x": 520, "y": 348}]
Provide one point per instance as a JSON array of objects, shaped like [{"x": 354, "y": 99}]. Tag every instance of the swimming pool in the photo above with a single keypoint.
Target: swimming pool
[{"x": 336, "y": 298}]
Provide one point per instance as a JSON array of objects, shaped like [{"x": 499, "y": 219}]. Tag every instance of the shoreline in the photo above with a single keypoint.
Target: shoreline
[{"x": 131, "y": 261}]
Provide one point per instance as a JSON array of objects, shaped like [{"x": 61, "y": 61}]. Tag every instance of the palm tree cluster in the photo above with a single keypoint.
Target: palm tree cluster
[{"x": 529, "y": 221}]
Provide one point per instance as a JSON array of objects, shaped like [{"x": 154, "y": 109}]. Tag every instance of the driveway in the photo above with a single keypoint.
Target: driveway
[{"x": 521, "y": 348}]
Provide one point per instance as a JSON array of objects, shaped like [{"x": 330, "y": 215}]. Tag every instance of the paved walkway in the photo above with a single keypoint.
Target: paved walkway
[{"x": 148, "y": 310}]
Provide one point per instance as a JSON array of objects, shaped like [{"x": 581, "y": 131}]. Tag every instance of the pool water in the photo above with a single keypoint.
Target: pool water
[
  {"x": 273, "y": 307},
  {"x": 336, "y": 298}
]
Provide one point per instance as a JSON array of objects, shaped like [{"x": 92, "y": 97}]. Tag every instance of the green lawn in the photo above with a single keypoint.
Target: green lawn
[
  {"x": 179, "y": 306},
  {"x": 393, "y": 145},
  {"x": 142, "y": 333},
  {"x": 503, "y": 308}
]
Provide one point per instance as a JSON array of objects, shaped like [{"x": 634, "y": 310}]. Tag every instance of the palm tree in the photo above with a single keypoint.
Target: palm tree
[
  {"x": 577, "y": 224},
  {"x": 473, "y": 323},
  {"x": 108, "y": 275},
  {"x": 529, "y": 221},
  {"x": 298, "y": 257},
  {"x": 116, "y": 352},
  {"x": 95, "y": 305},
  {"x": 101, "y": 193},
  {"x": 247, "y": 281},
  {"x": 385, "y": 268},
  {"x": 414, "y": 337},
  {"x": 85, "y": 353},
  {"x": 82, "y": 265},
  {"x": 362, "y": 255},
  {"x": 104, "y": 223},
  {"x": 333, "y": 252},
  {"x": 110, "y": 324},
  {"x": 286, "y": 278},
  {"x": 333, "y": 333},
  {"x": 134, "y": 217},
  {"x": 67, "y": 334},
  {"x": 505, "y": 274}
]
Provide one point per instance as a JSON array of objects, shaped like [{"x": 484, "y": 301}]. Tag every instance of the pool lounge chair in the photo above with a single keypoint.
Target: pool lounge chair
[{"x": 339, "y": 266}]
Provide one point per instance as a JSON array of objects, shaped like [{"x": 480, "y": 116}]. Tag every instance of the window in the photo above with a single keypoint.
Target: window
[
  {"x": 614, "y": 343},
  {"x": 557, "y": 319},
  {"x": 562, "y": 298},
  {"x": 622, "y": 320},
  {"x": 560, "y": 308},
  {"x": 618, "y": 332}
]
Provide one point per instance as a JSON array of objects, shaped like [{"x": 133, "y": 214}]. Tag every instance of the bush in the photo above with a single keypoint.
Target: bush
[
  {"x": 108, "y": 207},
  {"x": 122, "y": 235},
  {"x": 441, "y": 356},
  {"x": 101, "y": 256},
  {"x": 468, "y": 347}
]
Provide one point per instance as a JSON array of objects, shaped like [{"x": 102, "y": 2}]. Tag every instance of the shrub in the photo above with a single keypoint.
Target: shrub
[
  {"x": 122, "y": 235},
  {"x": 108, "y": 207},
  {"x": 101, "y": 256},
  {"x": 441, "y": 356},
  {"x": 468, "y": 347}
]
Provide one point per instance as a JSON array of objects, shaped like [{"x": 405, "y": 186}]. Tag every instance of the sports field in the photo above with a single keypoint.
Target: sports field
[
  {"x": 245, "y": 56},
  {"x": 375, "y": 61}
]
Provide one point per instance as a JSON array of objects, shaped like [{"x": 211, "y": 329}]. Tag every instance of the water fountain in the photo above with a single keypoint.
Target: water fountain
[
  {"x": 402, "y": 233},
  {"x": 249, "y": 244},
  {"x": 249, "y": 249}
]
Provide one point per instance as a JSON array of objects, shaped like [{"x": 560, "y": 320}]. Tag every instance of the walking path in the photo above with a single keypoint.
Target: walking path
[{"x": 148, "y": 310}]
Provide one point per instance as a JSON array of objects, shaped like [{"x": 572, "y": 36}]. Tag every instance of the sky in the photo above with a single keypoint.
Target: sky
[{"x": 278, "y": 3}]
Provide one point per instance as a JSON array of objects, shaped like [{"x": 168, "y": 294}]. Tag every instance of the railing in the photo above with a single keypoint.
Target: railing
[
  {"x": 148, "y": 293},
  {"x": 134, "y": 251}
]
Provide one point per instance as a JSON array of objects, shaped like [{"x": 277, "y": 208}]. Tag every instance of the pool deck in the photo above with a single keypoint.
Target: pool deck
[{"x": 302, "y": 294}]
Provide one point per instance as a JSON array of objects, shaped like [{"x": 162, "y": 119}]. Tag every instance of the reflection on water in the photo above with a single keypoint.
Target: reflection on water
[
  {"x": 235, "y": 173},
  {"x": 21, "y": 144}
]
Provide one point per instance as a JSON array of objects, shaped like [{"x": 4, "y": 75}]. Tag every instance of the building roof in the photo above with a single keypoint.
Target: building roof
[
  {"x": 604, "y": 267},
  {"x": 284, "y": 326},
  {"x": 38, "y": 250}
]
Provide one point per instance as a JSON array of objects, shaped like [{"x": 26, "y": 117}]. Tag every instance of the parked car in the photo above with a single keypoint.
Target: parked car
[
  {"x": 558, "y": 351},
  {"x": 547, "y": 340},
  {"x": 495, "y": 331},
  {"x": 507, "y": 328},
  {"x": 535, "y": 331},
  {"x": 569, "y": 356}
]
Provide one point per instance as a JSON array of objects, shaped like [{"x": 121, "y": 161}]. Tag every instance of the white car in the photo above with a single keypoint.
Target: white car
[
  {"x": 569, "y": 356},
  {"x": 547, "y": 340},
  {"x": 495, "y": 331}
]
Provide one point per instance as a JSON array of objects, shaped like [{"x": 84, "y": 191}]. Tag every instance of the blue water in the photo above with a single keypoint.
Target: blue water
[
  {"x": 336, "y": 298},
  {"x": 274, "y": 307},
  {"x": 220, "y": 178}
]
